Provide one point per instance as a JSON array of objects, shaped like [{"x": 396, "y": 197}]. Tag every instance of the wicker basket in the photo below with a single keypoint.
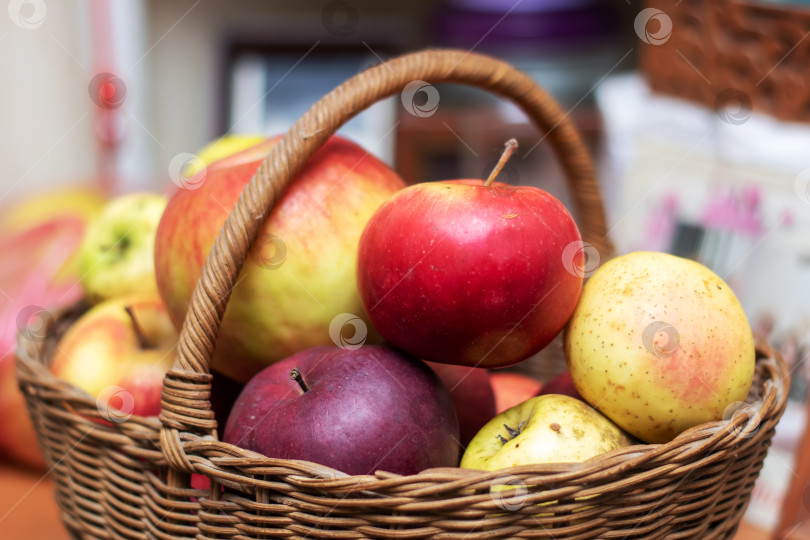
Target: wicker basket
[
  {"x": 134, "y": 479},
  {"x": 740, "y": 54}
]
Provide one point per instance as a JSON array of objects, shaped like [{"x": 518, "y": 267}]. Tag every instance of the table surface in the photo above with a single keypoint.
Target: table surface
[{"x": 28, "y": 510}]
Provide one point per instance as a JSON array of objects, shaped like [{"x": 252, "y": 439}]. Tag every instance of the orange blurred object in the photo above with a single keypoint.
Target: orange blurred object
[{"x": 512, "y": 388}]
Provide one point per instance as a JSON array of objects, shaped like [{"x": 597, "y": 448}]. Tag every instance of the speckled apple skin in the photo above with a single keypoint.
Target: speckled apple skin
[{"x": 699, "y": 360}]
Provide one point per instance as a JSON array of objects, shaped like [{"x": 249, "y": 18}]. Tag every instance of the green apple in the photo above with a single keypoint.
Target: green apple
[
  {"x": 116, "y": 257},
  {"x": 118, "y": 352},
  {"x": 546, "y": 429},
  {"x": 659, "y": 344}
]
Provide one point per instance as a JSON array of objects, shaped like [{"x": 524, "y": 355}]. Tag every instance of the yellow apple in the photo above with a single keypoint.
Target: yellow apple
[
  {"x": 546, "y": 429},
  {"x": 119, "y": 352},
  {"x": 659, "y": 344}
]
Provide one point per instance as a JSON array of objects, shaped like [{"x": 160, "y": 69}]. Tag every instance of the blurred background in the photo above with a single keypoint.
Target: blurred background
[{"x": 697, "y": 114}]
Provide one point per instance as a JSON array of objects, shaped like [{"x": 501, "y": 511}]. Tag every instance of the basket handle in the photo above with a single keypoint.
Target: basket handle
[{"x": 186, "y": 388}]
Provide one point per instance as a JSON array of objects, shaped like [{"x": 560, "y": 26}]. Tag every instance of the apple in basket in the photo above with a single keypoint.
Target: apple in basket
[
  {"x": 118, "y": 352},
  {"x": 546, "y": 429},
  {"x": 659, "y": 344},
  {"x": 470, "y": 272},
  {"x": 356, "y": 410},
  {"x": 473, "y": 397},
  {"x": 300, "y": 274},
  {"x": 116, "y": 257}
]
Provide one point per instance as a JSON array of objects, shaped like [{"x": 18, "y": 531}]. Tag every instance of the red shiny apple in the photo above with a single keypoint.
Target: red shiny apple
[
  {"x": 473, "y": 397},
  {"x": 355, "y": 410},
  {"x": 512, "y": 389},
  {"x": 460, "y": 272},
  {"x": 560, "y": 384},
  {"x": 300, "y": 274}
]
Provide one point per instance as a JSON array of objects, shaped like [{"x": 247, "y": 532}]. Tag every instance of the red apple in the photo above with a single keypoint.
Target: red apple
[
  {"x": 301, "y": 272},
  {"x": 118, "y": 352},
  {"x": 473, "y": 397},
  {"x": 355, "y": 410},
  {"x": 560, "y": 384},
  {"x": 459, "y": 272},
  {"x": 512, "y": 389}
]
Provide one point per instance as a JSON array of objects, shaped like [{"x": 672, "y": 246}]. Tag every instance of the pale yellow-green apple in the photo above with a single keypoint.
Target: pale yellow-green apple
[
  {"x": 659, "y": 344},
  {"x": 512, "y": 388},
  {"x": 116, "y": 257},
  {"x": 39, "y": 236},
  {"x": 118, "y": 352},
  {"x": 300, "y": 275},
  {"x": 546, "y": 429}
]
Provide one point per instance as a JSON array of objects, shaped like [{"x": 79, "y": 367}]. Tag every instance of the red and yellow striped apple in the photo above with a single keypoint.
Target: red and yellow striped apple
[
  {"x": 120, "y": 350},
  {"x": 301, "y": 271}
]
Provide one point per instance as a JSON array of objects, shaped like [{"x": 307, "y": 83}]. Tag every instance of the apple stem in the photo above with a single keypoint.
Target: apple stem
[
  {"x": 297, "y": 377},
  {"x": 512, "y": 432},
  {"x": 510, "y": 147},
  {"x": 143, "y": 343}
]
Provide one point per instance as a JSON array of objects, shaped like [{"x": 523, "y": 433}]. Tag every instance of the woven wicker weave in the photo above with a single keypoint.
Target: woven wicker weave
[
  {"x": 735, "y": 54},
  {"x": 133, "y": 479}
]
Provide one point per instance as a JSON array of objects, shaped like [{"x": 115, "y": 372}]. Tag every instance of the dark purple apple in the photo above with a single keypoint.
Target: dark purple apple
[
  {"x": 473, "y": 396},
  {"x": 560, "y": 384},
  {"x": 357, "y": 411}
]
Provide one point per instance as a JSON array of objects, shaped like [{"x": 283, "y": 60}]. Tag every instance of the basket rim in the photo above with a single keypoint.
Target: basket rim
[{"x": 771, "y": 398}]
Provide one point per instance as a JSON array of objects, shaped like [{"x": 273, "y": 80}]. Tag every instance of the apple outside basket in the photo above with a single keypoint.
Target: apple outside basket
[{"x": 132, "y": 479}]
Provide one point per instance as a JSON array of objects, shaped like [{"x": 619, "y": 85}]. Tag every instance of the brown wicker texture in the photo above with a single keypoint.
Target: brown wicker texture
[
  {"x": 133, "y": 478},
  {"x": 733, "y": 56}
]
